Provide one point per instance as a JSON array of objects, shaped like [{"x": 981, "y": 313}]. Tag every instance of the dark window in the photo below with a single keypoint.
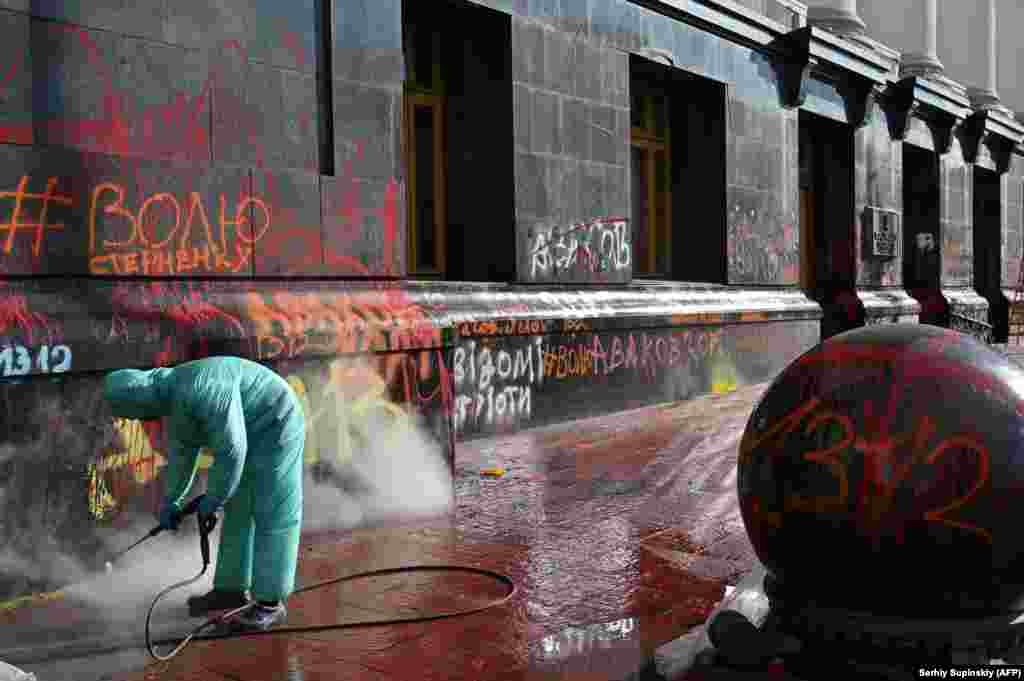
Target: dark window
[
  {"x": 427, "y": 185},
  {"x": 325, "y": 78},
  {"x": 677, "y": 162},
  {"x": 827, "y": 213},
  {"x": 988, "y": 233},
  {"x": 826, "y": 201},
  {"x": 921, "y": 219},
  {"x": 458, "y": 141}
]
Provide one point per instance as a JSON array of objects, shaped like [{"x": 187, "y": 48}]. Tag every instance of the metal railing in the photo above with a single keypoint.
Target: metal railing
[{"x": 975, "y": 327}]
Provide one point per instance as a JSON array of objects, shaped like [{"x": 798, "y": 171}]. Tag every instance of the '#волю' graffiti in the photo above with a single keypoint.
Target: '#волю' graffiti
[{"x": 142, "y": 252}]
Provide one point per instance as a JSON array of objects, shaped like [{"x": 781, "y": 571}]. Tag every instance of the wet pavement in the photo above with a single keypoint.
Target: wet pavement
[{"x": 620, "y": 533}]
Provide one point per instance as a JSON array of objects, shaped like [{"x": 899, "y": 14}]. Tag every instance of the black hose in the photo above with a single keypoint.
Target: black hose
[
  {"x": 206, "y": 525},
  {"x": 149, "y": 618},
  {"x": 221, "y": 619}
]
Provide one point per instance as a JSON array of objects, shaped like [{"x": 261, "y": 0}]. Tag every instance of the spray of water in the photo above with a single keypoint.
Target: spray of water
[
  {"x": 377, "y": 463},
  {"x": 123, "y": 592}
]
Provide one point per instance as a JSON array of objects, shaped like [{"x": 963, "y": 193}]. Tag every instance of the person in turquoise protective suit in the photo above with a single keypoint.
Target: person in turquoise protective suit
[{"x": 251, "y": 420}]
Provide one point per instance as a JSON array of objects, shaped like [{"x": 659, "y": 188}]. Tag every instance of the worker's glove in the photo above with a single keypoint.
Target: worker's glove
[
  {"x": 208, "y": 504},
  {"x": 170, "y": 516},
  {"x": 207, "y": 511},
  {"x": 207, "y": 521}
]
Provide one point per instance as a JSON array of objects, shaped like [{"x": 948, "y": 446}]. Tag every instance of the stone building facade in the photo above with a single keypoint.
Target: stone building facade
[{"x": 482, "y": 215}]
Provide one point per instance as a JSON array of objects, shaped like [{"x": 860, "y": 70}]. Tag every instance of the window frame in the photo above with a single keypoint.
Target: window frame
[
  {"x": 435, "y": 103},
  {"x": 419, "y": 95},
  {"x": 648, "y": 139}
]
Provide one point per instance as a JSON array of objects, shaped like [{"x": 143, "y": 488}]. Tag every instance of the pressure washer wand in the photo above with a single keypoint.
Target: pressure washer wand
[
  {"x": 192, "y": 507},
  {"x": 152, "y": 533}
]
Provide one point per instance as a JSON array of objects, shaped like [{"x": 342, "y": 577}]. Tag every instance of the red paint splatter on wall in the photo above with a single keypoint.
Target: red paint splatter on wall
[
  {"x": 390, "y": 219},
  {"x": 17, "y": 318}
]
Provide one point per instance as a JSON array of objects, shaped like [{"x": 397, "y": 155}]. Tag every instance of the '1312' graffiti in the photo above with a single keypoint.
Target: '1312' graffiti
[{"x": 17, "y": 360}]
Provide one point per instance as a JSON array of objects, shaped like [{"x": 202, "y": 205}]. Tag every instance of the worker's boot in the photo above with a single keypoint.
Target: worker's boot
[
  {"x": 260, "y": 617},
  {"x": 218, "y": 599}
]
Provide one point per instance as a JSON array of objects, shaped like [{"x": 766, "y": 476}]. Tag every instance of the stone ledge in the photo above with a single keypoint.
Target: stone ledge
[
  {"x": 894, "y": 304},
  {"x": 511, "y": 311},
  {"x": 100, "y": 324}
]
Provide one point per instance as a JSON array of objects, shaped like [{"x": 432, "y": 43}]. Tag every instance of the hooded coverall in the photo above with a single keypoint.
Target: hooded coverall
[{"x": 252, "y": 421}]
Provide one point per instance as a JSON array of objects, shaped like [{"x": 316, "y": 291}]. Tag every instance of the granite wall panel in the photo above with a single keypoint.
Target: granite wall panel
[
  {"x": 367, "y": 129},
  {"x": 16, "y": 83},
  {"x": 207, "y": 24},
  {"x": 956, "y": 207},
  {"x": 572, "y": 142},
  {"x": 98, "y": 91},
  {"x": 144, "y": 18},
  {"x": 263, "y": 115},
  {"x": 919, "y": 135},
  {"x": 878, "y": 183},
  {"x": 1013, "y": 223},
  {"x": 368, "y": 41},
  {"x": 762, "y": 196},
  {"x": 283, "y": 34},
  {"x": 363, "y": 226},
  {"x": 289, "y": 234}
]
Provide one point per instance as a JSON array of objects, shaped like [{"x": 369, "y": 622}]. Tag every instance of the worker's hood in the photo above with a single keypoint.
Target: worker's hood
[{"x": 136, "y": 394}]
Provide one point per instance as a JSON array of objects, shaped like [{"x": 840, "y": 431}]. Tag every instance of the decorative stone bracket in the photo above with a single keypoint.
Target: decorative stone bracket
[
  {"x": 858, "y": 95},
  {"x": 793, "y": 63},
  {"x": 940, "y": 108},
  {"x": 856, "y": 71},
  {"x": 1000, "y": 133},
  {"x": 943, "y": 126},
  {"x": 899, "y": 106}
]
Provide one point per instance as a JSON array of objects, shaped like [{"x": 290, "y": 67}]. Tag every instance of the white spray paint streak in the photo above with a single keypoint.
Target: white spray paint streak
[
  {"x": 599, "y": 244},
  {"x": 495, "y": 385},
  {"x": 17, "y": 360}
]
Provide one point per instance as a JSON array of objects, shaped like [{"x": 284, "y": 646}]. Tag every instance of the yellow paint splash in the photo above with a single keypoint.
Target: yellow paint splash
[
  {"x": 351, "y": 395},
  {"x": 30, "y": 600},
  {"x": 137, "y": 454},
  {"x": 723, "y": 375}
]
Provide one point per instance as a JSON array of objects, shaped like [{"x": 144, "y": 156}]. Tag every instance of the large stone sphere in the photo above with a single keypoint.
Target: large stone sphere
[{"x": 883, "y": 472}]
